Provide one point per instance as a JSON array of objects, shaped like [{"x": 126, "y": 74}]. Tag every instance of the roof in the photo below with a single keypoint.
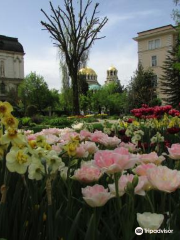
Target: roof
[
  {"x": 87, "y": 71},
  {"x": 10, "y": 44},
  {"x": 112, "y": 68},
  {"x": 94, "y": 87},
  {"x": 160, "y": 28}
]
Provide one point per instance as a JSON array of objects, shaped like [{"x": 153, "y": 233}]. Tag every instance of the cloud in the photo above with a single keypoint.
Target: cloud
[
  {"x": 125, "y": 60},
  {"x": 46, "y": 64},
  {"x": 116, "y": 19}
]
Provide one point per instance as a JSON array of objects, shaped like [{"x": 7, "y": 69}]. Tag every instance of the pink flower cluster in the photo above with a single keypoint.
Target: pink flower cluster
[{"x": 115, "y": 161}]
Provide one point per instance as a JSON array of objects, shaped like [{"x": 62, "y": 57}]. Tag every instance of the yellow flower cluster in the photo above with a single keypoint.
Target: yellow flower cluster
[
  {"x": 71, "y": 147},
  {"x": 36, "y": 156}
]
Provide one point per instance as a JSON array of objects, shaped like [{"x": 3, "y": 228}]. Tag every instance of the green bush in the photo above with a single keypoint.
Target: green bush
[
  {"x": 25, "y": 121},
  {"x": 58, "y": 122},
  {"x": 97, "y": 126},
  {"x": 89, "y": 120}
]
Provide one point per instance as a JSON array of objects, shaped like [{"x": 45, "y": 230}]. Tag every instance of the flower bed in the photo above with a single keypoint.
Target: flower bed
[{"x": 67, "y": 184}]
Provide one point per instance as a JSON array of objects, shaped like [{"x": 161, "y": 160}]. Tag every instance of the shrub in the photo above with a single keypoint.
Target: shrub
[
  {"x": 60, "y": 122},
  {"x": 97, "y": 126},
  {"x": 25, "y": 121}
]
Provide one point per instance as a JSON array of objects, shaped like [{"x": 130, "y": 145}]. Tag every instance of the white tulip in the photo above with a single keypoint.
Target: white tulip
[{"x": 150, "y": 220}]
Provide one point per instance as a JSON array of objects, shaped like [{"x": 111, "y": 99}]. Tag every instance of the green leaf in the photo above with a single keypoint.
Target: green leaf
[
  {"x": 74, "y": 226},
  {"x": 90, "y": 229},
  {"x": 110, "y": 233}
]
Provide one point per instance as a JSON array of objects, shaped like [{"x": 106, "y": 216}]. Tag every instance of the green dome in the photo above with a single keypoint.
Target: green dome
[{"x": 94, "y": 87}]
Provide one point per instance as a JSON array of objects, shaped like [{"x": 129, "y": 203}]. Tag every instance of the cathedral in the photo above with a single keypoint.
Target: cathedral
[
  {"x": 11, "y": 65},
  {"x": 91, "y": 77}
]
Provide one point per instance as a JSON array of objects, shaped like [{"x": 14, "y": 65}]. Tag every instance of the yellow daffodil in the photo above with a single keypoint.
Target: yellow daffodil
[
  {"x": 47, "y": 147},
  {"x": 12, "y": 135},
  {"x": 10, "y": 121},
  {"x": 71, "y": 148},
  {"x": 5, "y": 108},
  {"x": 17, "y": 160},
  {"x": 32, "y": 144}
]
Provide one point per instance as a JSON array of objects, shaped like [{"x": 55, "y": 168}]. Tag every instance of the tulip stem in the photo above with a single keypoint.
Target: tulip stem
[
  {"x": 150, "y": 202},
  {"x": 116, "y": 179},
  {"x": 94, "y": 225}
]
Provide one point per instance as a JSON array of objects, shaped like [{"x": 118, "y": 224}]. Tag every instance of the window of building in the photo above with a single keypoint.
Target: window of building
[
  {"x": 154, "y": 61},
  {"x": 153, "y": 44},
  {"x": 2, "y": 88},
  {"x": 154, "y": 81}
]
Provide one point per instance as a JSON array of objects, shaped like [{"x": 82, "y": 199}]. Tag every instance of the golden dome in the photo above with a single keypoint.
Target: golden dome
[
  {"x": 112, "y": 68},
  {"x": 87, "y": 71}
]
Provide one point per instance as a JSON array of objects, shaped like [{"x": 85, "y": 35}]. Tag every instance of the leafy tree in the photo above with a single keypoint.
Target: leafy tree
[
  {"x": 170, "y": 81},
  {"x": 141, "y": 88},
  {"x": 74, "y": 34},
  {"x": 34, "y": 91},
  {"x": 110, "y": 98},
  {"x": 176, "y": 12},
  {"x": 66, "y": 101}
]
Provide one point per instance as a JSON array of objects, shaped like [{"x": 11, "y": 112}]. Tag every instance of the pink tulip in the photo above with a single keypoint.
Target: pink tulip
[
  {"x": 81, "y": 152},
  {"x": 163, "y": 178},
  {"x": 123, "y": 181},
  {"x": 87, "y": 173},
  {"x": 114, "y": 161},
  {"x": 109, "y": 141},
  {"x": 142, "y": 169},
  {"x": 151, "y": 158},
  {"x": 130, "y": 146},
  {"x": 90, "y": 147},
  {"x": 97, "y": 136},
  {"x": 96, "y": 196},
  {"x": 174, "y": 151}
]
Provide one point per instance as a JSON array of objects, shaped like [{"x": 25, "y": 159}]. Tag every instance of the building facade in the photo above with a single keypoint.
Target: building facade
[
  {"x": 153, "y": 47},
  {"x": 11, "y": 65}
]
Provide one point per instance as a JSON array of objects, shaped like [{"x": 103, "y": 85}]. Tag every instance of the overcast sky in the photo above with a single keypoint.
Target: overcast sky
[{"x": 21, "y": 19}]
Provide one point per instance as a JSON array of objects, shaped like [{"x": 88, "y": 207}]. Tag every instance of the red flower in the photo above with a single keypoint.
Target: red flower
[{"x": 173, "y": 130}]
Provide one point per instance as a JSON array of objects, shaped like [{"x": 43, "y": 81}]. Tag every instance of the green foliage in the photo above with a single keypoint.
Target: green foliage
[
  {"x": 58, "y": 122},
  {"x": 170, "y": 81},
  {"x": 142, "y": 88},
  {"x": 34, "y": 91},
  {"x": 31, "y": 110},
  {"x": 97, "y": 126},
  {"x": 110, "y": 98},
  {"x": 25, "y": 121},
  {"x": 66, "y": 100}
]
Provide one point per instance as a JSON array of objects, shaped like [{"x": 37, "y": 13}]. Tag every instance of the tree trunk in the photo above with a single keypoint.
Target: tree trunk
[{"x": 74, "y": 78}]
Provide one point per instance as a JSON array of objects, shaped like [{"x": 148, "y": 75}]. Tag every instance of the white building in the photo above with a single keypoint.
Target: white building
[{"x": 11, "y": 65}]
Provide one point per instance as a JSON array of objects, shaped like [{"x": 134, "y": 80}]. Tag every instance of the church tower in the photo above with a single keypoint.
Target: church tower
[{"x": 111, "y": 75}]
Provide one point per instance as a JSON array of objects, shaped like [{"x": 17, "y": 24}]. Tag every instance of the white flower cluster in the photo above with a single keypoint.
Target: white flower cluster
[
  {"x": 137, "y": 136},
  {"x": 157, "y": 138}
]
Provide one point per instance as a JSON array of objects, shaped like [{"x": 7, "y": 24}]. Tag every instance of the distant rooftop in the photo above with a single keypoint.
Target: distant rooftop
[
  {"x": 159, "y": 28},
  {"x": 156, "y": 31},
  {"x": 10, "y": 44}
]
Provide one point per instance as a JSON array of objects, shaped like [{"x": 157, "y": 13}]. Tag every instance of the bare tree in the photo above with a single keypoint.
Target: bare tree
[{"x": 74, "y": 33}]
